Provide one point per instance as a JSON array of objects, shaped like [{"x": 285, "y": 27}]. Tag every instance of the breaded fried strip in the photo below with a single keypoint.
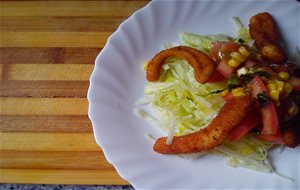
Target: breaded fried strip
[
  {"x": 202, "y": 64},
  {"x": 230, "y": 116},
  {"x": 267, "y": 39}
]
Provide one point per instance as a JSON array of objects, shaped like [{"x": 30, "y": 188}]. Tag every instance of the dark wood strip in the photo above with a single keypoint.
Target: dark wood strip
[
  {"x": 38, "y": 89},
  {"x": 20, "y": 55},
  {"x": 53, "y": 160},
  {"x": 59, "y": 24},
  {"x": 49, "y": 123}
]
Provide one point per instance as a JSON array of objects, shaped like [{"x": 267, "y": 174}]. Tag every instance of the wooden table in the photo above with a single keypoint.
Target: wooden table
[{"x": 47, "y": 53}]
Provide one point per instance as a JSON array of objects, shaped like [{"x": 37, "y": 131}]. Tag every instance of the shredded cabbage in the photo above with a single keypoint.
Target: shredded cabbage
[{"x": 201, "y": 42}]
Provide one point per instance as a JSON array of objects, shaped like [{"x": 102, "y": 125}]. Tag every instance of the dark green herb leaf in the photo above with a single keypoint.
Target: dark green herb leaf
[{"x": 262, "y": 98}]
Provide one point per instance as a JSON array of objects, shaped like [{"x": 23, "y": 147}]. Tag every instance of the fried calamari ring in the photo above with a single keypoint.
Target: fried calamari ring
[
  {"x": 230, "y": 116},
  {"x": 203, "y": 65},
  {"x": 267, "y": 39}
]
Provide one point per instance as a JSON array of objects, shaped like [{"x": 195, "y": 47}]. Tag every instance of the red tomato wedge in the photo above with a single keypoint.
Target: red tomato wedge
[
  {"x": 220, "y": 49},
  {"x": 225, "y": 69},
  {"x": 216, "y": 78},
  {"x": 295, "y": 83},
  {"x": 268, "y": 112},
  {"x": 247, "y": 124},
  {"x": 269, "y": 119},
  {"x": 271, "y": 138}
]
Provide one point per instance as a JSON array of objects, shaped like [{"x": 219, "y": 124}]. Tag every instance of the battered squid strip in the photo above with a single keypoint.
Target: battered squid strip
[
  {"x": 230, "y": 116},
  {"x": 203, "y": 65},
  {"x": 267, "y": 39}
]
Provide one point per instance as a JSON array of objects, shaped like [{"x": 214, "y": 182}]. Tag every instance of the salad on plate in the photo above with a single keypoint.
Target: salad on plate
[{"x": 237, "y": 97}]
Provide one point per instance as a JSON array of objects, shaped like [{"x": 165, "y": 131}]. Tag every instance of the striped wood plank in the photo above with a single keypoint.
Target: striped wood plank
[
  {"x": 37, "y": 72},
  {"x": 46, "y": 124},
  {"x": 111, "y": 9},
  {"x": 46, "y": 176},
  {"x": 43, "y": 106},
  {"x": 49, "y": 89},
  {"x": 54, "y": 160},
  {"x": 63, "y": 24},
  {"x": 48, "y": 142},
  {"x": 45, "y": 55},
  {"x": 54, "y": 39}
]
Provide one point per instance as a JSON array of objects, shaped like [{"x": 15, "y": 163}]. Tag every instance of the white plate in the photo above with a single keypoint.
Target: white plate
[{"x": 118, "y": 81}]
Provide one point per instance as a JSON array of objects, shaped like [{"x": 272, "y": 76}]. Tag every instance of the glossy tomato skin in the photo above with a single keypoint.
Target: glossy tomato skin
[
  {"x": 217, "y": 78},
  {"x": 276, "y": 138},
  {"x": 250, "y": 122},
  {"x": 268, "y": 112},
  {"x": 224, "y": 69},
  {"x": 221, "y": 50}
]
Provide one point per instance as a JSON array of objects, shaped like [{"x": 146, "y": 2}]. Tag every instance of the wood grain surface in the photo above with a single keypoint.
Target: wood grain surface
[{"x": 47, "y": 53}]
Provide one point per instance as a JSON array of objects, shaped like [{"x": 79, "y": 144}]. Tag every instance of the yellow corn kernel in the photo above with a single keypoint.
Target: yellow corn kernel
[
  {"x": 146, "y": 63},
  {"x": 238, "y": 91},
  {"x": 242, "y": 71},
  {"x": 293, "y": 110},
  {"x": 224, "y": 92},
  {"x": 284, "y": 75},
  {"x": 271, "y": 86},
  {"x": 274, "y": 94},
  {"x": 238, "y": 56},
  {"x": 244, "y": 51},
  {"x": 288, "y": 87},
  {"x": 234, "y": 62},
  {"x": 280, "y": 85}
]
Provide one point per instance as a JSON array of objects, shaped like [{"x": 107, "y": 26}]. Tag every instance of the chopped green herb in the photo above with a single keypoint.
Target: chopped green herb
[
  {"x": 262, "y": 98},
  {"x": 240, "y": 40},
  {"x": 233, "y": 82}
]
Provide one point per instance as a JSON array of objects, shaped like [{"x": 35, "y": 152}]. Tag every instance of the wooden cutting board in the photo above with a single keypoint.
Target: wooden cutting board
[{"x": 47, "y": 53}]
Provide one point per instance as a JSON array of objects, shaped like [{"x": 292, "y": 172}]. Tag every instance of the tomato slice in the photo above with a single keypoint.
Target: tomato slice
[
  {"x": 225, "y": 69},
  {"x": 220, "y": 49},
  {"x": 247, "y": 124},
  {"x": 216, "y": 78},
  {"x": 269, "y": 119},
  {"x": 295, "y": 83},
  {"x": 268, "y": 112},
  {"x": 277, "y": 138}
]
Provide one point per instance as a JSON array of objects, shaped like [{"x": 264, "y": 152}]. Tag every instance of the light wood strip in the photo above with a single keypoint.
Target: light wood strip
[
  {"x": 71, "y": 8},
  {"x": 46, "y": 124},
  {"x": 37, "y": 89},
  {"x": 54, "y": 23},
  {"x": 50, "y": 71},
  {"x": 46, "y": 55},
  {"x": 53, "y": 160},
  {"x": 48, "y": 142},
  {"x": 37, "y": 176},
  {"x": 54, "y": 39},
  {"x": 43, "y": 106}
]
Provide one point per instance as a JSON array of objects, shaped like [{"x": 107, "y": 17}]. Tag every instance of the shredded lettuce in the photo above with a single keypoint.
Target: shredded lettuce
[
  {"x": 242, "y": 32},
  {"x": 201, "y": 42}
]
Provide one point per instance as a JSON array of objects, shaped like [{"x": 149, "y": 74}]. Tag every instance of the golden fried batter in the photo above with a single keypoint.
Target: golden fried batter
[
  {"x": 230, "y": 116},
  {"x": 202, "y": 64},
  {"x": 267, "y": 39}
]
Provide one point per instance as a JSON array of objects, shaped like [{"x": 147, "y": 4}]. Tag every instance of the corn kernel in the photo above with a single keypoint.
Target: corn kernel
[
  {"x": 244, "y": 51},
  {"x": 288, "y": 87},
  {"x": 284, "y": 75},
  {"x": 280, "y": 85},
  {"x": 224, "y": 92},
  {"x": 271, "y": 86},
  {"x": 238, "y": 56},
  {"x": 234, "y": 62},
  {"x": 238, "y": 91},
  {"x": 293, "y": 110},
  {"x": 242, "y": 71},
  {"x": 274, "y": 94}
]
